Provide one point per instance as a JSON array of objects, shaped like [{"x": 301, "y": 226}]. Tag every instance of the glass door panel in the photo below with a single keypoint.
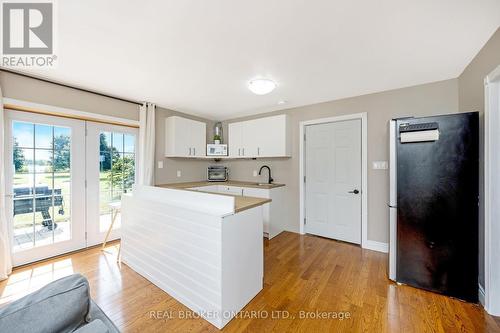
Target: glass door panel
[
  {"x": 111, "y": 154},
  {"x": 45, "y": 178}
]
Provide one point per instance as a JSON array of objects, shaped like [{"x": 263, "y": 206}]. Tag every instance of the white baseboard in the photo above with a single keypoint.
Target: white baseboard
[
  {"x": 376, "y": 246},
  {"x": 481, "y": 295}
]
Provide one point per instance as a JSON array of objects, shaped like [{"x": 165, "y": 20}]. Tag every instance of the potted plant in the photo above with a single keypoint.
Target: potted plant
[{"x": 217, "y": 139}]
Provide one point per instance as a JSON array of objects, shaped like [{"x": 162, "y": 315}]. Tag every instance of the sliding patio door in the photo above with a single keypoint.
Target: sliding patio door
[
  {"x": 65, "y": 179},
  {"x": 111, "y": 162},
  {"x": 45, "y": 185}
]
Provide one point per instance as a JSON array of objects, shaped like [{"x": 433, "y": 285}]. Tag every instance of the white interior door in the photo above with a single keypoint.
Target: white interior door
[
  {"x": 111, "y": 160},
  {"x": 333, "y": 180},
  {"x": 46, "y": 185}
]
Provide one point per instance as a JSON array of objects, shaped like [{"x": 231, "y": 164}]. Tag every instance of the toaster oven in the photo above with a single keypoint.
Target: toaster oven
[{"x": 217, "y": 173}]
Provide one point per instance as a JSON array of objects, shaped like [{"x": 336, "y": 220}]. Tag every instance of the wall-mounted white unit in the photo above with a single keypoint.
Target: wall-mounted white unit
[
  {"x": 185, "y": 137},
  {"x": 262, "y": 137}
]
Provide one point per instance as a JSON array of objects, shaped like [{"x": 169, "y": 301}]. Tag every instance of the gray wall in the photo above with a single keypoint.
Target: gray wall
[
  {"x": 191, "y": 169},
  {"x": 32, "y": 90},
  {"x": 471, "y": 98},
  {"x": 471, "y": 81},
  {"x": 462, "y": 94},
  {"x": 428, "y": 99}
]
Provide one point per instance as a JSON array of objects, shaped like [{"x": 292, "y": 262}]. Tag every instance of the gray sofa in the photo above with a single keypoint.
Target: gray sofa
[{"x": 61, "y": 306}]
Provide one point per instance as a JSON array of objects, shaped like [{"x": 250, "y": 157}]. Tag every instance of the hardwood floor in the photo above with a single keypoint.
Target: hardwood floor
[{"x": 302, "y": 273}]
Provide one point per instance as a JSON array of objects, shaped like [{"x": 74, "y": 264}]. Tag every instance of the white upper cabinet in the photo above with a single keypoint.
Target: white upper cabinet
[
  {"x": 262, "y": 137},
  {"x": 235, "y": 137},
  {"x": 253, "y": 137},
  {"x": 185, "y": 137},
  {"x": 197, "y": 131}
]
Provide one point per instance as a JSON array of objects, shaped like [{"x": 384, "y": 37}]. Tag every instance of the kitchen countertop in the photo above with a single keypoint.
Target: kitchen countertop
[
  {"x": 227, "y": 183},
  {"x": 241, "y": 203}
]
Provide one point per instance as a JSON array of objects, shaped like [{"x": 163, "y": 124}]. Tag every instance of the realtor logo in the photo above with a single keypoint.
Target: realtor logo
[{"x": 28, "y": 34}]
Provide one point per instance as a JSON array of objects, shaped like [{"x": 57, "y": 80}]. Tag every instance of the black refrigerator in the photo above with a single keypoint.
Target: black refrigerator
[{"x": 434, "y": 203}]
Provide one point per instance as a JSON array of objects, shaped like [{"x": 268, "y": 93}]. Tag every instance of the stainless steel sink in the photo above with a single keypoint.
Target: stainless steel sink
[{"x": 263, "y": 184}]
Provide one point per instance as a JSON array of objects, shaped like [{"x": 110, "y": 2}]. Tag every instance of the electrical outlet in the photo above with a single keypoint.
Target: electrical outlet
[
  {"x": 160, "y": 164},
  {"x": 255, "y": 173},
  {"x": 179, "y": 173},
  {"x": 380, "y": 165}
]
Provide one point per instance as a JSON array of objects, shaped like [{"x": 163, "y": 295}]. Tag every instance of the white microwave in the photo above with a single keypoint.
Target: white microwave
[{"x": 216, "y": 150}]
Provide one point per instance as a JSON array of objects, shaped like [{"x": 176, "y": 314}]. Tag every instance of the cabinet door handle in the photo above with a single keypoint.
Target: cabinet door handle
[
  {"x": 189, "y": 151},
  {"x": 239, "y": 151},
  {"x": 258, "y": 150},
  {"x": 194, "y": 151},
  {"x": 243, "y": 150}
]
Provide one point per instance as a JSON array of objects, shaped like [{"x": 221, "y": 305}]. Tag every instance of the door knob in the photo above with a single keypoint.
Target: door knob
[{"x": 355, "y": 191}]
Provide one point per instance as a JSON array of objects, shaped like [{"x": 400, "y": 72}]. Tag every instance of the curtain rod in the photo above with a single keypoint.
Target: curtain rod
[{"x": 68, "y": 86}]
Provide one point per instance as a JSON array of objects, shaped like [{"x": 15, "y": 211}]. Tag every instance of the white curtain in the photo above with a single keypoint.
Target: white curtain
[
  {"x": 146, "y": 144},
  {"x": 5, "y": 253}
]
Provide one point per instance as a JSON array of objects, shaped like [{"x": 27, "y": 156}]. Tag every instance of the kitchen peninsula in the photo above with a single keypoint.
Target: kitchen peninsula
[
  {"x": 246, "y": 193},
  {"x": 234, "y": 188},
  {"x": 204, "y": 249}
]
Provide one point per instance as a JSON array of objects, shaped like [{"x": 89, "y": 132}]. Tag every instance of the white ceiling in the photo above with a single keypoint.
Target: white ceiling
[{"x": 197, "y": 56}]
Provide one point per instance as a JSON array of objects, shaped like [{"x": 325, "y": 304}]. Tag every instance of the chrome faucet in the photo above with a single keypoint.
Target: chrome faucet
[{"x": 270, "y": 179}]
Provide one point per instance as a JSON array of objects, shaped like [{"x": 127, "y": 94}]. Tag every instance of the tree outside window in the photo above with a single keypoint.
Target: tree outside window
[{"x": 19, "y": 159}]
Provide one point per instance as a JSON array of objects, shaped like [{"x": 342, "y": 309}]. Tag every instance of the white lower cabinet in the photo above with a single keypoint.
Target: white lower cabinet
[
  {"x": 210, "y": 188},
  {"x": 230, "y": 189},
  {"x": 235, "y": 190},
  {"x": 273, "y": 211}
]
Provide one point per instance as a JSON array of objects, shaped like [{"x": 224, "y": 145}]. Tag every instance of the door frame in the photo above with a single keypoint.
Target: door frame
[
  {"x": 23, "y": 106},
  {"x": 78, "y": 214},
  {"x": 364, "y": 170},
  {"x": 92, "y": 211},
  {"x": 490, "y": 295},
  {"x": 51, "y": 110}
]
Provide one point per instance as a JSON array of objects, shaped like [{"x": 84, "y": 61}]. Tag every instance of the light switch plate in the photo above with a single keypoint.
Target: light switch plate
[
  {"x": 160, "y": 164},
  {"x": 380, "y": 165},
  {"x": 179, "y": 173}
]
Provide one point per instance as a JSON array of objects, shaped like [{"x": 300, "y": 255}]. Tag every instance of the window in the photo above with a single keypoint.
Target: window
[
  {"x": 116, "y": 172},
  {"x": 41, "y": 185}
]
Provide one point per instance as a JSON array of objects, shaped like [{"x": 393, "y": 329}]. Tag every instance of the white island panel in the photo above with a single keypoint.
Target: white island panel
[
  {"x": 204, "y": 255},
  {"x": 242, "y": 259}
]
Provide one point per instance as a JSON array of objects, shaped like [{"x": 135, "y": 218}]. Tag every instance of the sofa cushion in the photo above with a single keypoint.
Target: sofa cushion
[
  {"x": 60, "y": 306},
  {"x": 96, "y": 313},
  {"x": 95, "y": 326}
]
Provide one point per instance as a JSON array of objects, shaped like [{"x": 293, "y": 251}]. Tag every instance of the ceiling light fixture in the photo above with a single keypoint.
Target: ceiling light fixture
[{"x": 261, "y": 86}]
